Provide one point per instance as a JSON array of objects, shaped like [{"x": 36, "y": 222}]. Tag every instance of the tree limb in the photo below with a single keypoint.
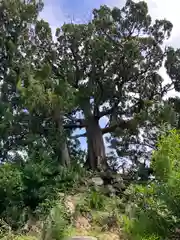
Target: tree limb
[
  {"x": 74, "y": 126},
  {"x": 76, "y": 120},
  {"x": 121, "y": 124},
  {"x": 79, "y": 135}
]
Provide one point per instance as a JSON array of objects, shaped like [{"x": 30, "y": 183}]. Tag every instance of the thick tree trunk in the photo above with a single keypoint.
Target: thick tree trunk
[
  {"x": 96, "y": 150},
  {"x": 65, "y": 157},
  {"x": 62, "y": 150}
]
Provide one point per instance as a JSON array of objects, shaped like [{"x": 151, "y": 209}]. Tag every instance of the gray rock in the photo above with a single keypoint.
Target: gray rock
[
  {"x": 118, "y": 178},
  {"x": 97, "y": 181},
  {"x": 119, "y": 186},
  {"x": 111, "y": 190},
  {"x": 107, "y": 175}
]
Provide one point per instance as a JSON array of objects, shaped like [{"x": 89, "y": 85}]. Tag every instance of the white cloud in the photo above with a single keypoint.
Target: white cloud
[
  {"x": 169, "y": 10},
  {"x": 53, "y": 14}
]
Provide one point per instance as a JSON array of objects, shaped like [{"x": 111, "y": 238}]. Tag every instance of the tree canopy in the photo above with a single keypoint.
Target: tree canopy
[
  {"x": 52, "y": 87},
  {"x": 107, "y": 67}
]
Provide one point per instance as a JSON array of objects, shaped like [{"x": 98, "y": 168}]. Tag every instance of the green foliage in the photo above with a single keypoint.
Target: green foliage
[
  {"x": 42, "y": 93},
  {"x": 96, "y": 200},
  {"x": 93, "y": 200},
  {"x": 11, "y": 190},
  {"x": 33, "y": 187},
  {"x": 57, "y": 223},
  {"x": 12, "y": 236},
  {"x": 167, "y": 157},
  {"x": 166, "y": 160},
  {"x": 156, "y": 205},
  {"x": 24, "y": 238},
  {"x": 149, "y": 215}
]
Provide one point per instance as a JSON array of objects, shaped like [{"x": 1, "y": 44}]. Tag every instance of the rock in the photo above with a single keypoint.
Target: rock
[
  {"x": 119, "y": 186},
  {"x": 118, "y": 179},
  {"x": 111, "y": 190},
  {"x": 107, "y": 176},
  {"x": 97, "y": 181},
  {"x": 82, "y": 223},
  {"x": 70, "y": 204}
]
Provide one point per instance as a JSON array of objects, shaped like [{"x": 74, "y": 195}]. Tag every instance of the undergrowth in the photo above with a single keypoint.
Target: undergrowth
[{"x": 146, "y": 212}]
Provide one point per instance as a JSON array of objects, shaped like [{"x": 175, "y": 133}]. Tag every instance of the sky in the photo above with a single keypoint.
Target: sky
[{"x": 57, "y": 12}]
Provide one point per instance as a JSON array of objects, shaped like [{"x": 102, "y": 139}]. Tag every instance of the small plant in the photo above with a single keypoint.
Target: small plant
[
  {"x": 57, "y": 223},
  {"x": 96, "y": 200},
  {"x": 151, "y": 237}
]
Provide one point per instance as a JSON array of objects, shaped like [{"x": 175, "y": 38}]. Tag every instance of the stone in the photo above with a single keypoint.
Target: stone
[
  {"x": 97, "y": 181},
  {"x": 111, "y": 190},
  {"x": 118, "y": 179},
  {"x": 107, "y": 175},
  {"x": 70, "y": 204},
  {"x": 82, "y": 223},
  {"x": 119, "y": 186}
]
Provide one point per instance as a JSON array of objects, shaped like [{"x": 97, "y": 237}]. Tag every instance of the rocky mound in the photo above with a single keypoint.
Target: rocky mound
[{"x": 93, "y": 209}]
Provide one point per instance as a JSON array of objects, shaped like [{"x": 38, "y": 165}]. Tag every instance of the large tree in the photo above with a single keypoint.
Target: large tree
[
  {"x": 33, "y": 99},
  {"x": 16, "y": 54},
  {"x": 107, "y": 67},
  {"x": 172, "y": 65},
  {"x": 112, "y": 62}
]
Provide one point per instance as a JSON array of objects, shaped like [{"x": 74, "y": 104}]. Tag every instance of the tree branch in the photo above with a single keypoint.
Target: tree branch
[
  {"x": 74, "y": 126},
  {"x": 76, "y": 120},
  {"x": 122, "y": 124},
  {"x": 106, "y": 112},
  {"x": 79, "y": 135}
]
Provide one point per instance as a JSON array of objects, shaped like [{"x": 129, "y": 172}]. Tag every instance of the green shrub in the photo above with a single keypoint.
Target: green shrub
[
  {"x": 33, "y": 186},
  {"x": 57, "y": 223},
  {"x": 165, "y": 161},
  {"x": 156, "y": 208},
  {"x": 11, "y": 192},
  {"x": 96, "y": 200}
]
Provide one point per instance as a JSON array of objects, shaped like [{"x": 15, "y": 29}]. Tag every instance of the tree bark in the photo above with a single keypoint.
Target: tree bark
[
  {"x": 65, "y": 157},
  {"x": 96, "y": 158},
  {"x": 62, "y": 150}
]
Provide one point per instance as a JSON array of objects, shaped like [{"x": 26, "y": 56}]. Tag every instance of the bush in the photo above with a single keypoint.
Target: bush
[
  {"x": 165, "y": 161},
  {"x": 156, "y": 206},
  {"x": 96, "y": 200},
  {"x": 11, "y": 192},
  {"x": 32, "y": 187},
  {"x": 57, "y": 223}
]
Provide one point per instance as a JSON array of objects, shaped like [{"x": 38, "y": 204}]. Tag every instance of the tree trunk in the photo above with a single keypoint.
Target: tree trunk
[
  {"x": 65, "y": 157},
  {"x": 96, "y": 150},
  {"x": 62, "y": 150}
]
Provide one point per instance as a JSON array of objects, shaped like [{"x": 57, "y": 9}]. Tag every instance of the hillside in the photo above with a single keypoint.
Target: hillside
[{"x": 91, "y": 209}]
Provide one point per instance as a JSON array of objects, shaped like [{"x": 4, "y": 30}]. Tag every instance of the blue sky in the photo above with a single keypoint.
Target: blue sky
[{"x": 57, "y": 12}]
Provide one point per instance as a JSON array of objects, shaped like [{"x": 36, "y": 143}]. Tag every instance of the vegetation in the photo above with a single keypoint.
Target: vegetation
[{"x": 50, "y": 89}]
